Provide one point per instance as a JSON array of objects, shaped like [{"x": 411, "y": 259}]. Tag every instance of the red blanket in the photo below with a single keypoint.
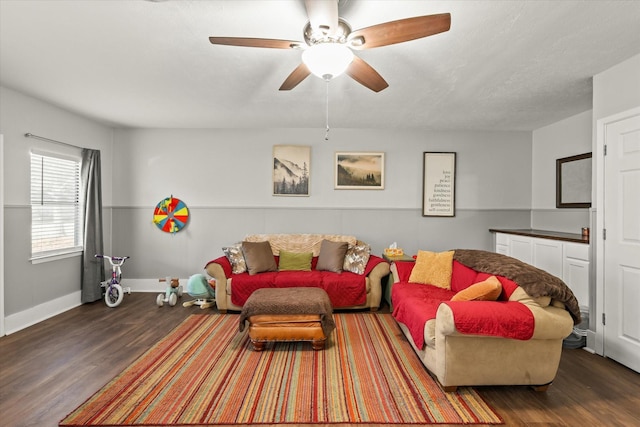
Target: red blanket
[
  {"x": 507, "y": 319},
  {"x": 415, "y": 304},
  {"x": 344, "y": 289}
]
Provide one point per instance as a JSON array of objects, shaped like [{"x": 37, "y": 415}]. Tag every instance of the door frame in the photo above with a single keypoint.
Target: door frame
[
  {"x": 2, "y": 169},
  {"x": 601, "y": 129}
]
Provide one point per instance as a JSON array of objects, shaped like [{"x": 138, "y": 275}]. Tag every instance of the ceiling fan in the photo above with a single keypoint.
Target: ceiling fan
[{"x": 329, "y": 43}]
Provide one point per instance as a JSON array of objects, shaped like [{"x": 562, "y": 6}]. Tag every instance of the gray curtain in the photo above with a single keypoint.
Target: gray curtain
[{"x": 92, "y": 268}]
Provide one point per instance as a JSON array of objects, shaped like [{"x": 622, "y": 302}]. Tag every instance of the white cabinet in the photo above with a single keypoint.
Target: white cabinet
[
  {"x": 520, "y": 247},
  {"x": 502, "y": 243},
  {"x": 567, "y": 260},
  {"x": 548, "y": 255},
  {"x": 576, "y": 271}
]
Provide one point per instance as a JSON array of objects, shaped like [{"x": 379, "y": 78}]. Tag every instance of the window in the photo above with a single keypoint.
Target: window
[{"x": 56, "y": 217}]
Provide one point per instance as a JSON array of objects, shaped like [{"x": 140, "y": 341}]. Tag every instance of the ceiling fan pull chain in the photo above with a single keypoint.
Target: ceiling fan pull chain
[{"x": 326, "y": 135}]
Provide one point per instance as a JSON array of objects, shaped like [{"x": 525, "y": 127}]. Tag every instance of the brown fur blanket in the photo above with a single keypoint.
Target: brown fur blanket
[
  {"x": 534, "y": 281},
  {"x": 290, "y": 301}
]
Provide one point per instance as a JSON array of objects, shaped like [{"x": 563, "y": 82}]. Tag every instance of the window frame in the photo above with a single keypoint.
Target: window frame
[{"x": 70, "y": 199}]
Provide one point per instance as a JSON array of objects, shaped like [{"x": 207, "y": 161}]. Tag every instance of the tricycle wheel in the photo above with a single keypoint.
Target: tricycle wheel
[
  {"x": 173, "y": 299},
  {"x": 113, "y": 295}
]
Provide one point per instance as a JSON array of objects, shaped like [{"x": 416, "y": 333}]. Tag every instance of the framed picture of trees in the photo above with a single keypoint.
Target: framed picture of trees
[
  {"x": 359, "y": 171},
  {"x": 291, "y": 170}
]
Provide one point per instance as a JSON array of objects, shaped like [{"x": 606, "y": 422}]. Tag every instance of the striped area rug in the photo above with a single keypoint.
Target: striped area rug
[{"x": 206, "y": 373}]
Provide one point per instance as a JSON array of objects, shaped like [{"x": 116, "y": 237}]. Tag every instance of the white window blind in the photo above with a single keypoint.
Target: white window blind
[{"x": 56, "y": 217}]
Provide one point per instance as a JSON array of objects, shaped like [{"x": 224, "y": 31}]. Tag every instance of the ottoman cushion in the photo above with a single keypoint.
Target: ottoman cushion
[{"x": 291, "y": 303}]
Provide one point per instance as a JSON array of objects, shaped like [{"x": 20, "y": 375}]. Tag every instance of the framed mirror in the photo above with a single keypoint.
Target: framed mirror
[{"x": 573, "y": 181}]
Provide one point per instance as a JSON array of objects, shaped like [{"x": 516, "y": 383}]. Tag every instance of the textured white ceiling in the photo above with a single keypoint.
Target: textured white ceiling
[{"x": 504, "y": 65}]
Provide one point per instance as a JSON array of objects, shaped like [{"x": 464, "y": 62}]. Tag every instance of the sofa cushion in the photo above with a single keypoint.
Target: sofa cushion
[
  {"x": 433, "y": 268},
  {"x": 236, "y": 258},
  {"x": 295, "y": 261},
  {"x": 259, "y": 257},
  {"x": 331, "y": 256},
  {"x": 487, "y": 290},
  {"x": 292, "y": 279},
  {"x": 243, "y": 285},
  {"x": 345, "y": 289},
  {"x": 356, "y": 258},
  {"x": 462, "y": 276},
  {"x": 298, "y": 242},
  {"x": 508, "y": 285}
]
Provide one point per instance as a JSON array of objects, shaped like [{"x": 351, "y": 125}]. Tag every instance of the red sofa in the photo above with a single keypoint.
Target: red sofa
[
  {"x": 346, "y": 290},
  {"x": 515, "y": 339}
]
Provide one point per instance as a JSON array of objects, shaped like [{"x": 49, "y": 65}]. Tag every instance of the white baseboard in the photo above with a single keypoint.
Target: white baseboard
[
  {"x": 24, "y": 319},
  {"x": 44, "y": 311},
  {"x": 149, "y": 285}
]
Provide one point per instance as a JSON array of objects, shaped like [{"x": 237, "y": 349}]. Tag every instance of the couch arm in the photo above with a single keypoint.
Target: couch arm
[
  {"x": 402, "y": 270},
  {"x": 376, "y": 269},
  {"x": 220, "y": 269},
  {"x": 507, "y": 319}
]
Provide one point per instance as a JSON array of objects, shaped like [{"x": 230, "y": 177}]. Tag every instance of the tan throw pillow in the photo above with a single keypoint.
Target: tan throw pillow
[
  {"x": 292, "y": 261},
  {"x": 433, "y": 268},
  {"x": 487, "y": 290},
  {"x": 259, "y": 257},
  {"x": 356, "y": 258},
  {"x": 331, "y": 257},
  {"x": 235, "y": 257}
]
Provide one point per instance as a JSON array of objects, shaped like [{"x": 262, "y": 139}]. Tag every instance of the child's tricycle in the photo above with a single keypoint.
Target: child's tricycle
[{"x": 174, "y": 290}]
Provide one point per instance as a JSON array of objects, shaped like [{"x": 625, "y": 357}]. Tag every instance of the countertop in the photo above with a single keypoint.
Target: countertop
[{"x": 544, "y": 234}]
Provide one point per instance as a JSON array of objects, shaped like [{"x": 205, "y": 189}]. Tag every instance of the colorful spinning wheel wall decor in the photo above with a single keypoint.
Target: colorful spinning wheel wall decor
[{"x": 171, "y": 215}]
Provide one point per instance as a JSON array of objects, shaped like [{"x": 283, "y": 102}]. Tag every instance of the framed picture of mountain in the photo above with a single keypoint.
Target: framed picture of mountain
[
  {"x": 291, "y": 170},
  {"x": 359, "y": 171}
]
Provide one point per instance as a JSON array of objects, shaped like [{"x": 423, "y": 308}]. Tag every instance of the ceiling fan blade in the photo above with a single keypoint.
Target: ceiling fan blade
[
  {"x": 364, "y": 74},
  {"x": 399, "y": 31},
  {"x": 254, "y": 42},
  {"x": 323, "y": 15},
  {"x": 298, "y": 75}
]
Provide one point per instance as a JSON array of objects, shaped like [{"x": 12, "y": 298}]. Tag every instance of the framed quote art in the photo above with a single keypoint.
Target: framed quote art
[
  {"x": 359, "y": 171},
  {"x": 439, "y": 184},
  {"x": 291, "y": 170}
]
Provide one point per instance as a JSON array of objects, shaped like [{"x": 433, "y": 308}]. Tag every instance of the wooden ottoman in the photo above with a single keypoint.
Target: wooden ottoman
[{"x": 288, "y": 314}]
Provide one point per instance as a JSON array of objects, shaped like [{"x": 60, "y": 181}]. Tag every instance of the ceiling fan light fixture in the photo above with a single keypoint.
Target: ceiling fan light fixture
[{"x": 327, "y": 60}]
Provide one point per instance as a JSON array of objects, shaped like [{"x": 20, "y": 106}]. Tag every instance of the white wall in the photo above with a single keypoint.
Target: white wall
[
  {"x": 212, "y": 167},
  {"x": 224, "y": 176},
  {"x": 36, "y": 291},
  {"x": 616, "y": 89},
  {"x": 565, "y": 138}
]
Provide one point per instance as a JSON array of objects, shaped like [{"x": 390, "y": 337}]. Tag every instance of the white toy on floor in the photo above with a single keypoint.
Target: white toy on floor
[
  {"x": 204, "y": 292},
  {"x": 174, "y": 290}
]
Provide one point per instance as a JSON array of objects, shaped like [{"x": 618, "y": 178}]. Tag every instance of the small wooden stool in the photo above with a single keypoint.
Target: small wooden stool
[{"x": 287, "y": 314}]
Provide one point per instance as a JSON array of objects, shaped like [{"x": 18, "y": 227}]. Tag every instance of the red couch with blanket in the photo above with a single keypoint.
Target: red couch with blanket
[
  {"x": 492, "y": 320},
  {"x": 354, "y": 282}
]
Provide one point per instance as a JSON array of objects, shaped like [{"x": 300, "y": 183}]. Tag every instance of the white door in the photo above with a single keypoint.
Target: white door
[
  {"x": 2, "y": 169},
  {"x": 622, "y": 242}
]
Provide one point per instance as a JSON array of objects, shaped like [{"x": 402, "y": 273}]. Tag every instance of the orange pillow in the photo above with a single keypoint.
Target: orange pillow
[
  {"x": 487, "y": 290},
  {"x": 433, "y": 268}
]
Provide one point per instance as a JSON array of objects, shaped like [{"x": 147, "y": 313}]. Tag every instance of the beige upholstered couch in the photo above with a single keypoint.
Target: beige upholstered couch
[
  {"x": 478, "y": 357},
  {"x": 376, "y": 268}
]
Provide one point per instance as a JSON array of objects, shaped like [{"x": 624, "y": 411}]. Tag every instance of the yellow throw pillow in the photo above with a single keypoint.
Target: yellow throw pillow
[
  {"x": 433, "y": 268},
  {"x": 487, "y": 290}
]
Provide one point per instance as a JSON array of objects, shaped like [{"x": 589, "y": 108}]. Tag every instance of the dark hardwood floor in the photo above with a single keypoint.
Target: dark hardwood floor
[{"x": 49, "y": 369}]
